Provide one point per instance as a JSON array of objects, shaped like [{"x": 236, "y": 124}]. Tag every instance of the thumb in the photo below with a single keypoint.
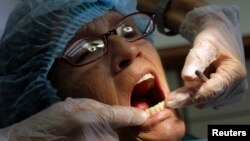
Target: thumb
[
  {"x": 179, "y": 98},
  {"x": 199, "y": 58},
  {"x": 121, "y": 116}
]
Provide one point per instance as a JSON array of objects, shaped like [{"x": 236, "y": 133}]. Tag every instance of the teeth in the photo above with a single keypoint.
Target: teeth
[
  {"x": 146, "y": 77},
  {"x": 155, "y": 109}
]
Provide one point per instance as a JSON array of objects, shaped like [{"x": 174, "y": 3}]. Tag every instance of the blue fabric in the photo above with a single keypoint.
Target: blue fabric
[{"x": 36, "y": 32}]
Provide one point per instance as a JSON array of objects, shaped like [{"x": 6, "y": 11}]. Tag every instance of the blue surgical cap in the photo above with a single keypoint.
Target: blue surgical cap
[{"x": 36, "y": 32}]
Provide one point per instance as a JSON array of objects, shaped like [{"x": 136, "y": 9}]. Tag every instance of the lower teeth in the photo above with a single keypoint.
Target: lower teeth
[{"x": 155, "y": 109}]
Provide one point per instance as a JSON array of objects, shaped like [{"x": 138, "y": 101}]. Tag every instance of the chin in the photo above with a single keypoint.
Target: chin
[
  {"x": 163, "y": 126},
  {"x": 166, "y": 129}
]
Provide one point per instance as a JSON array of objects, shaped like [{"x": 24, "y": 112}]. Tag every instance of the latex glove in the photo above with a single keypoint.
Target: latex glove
[
  {"x": 74, "y": 119},
  {"x": 217, "y": 46}
]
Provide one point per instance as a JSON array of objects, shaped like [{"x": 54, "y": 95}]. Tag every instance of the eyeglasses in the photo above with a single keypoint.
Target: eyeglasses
[{"x": 88, "y": 49}]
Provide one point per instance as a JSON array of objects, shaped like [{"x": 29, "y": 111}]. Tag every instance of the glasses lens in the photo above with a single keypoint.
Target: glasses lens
[
  {"x": 135, "y": 26},
  {"x": 85, "y": 50}
]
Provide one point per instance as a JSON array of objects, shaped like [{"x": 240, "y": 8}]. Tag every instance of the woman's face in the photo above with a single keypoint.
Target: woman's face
[{"x": 130, "y": 74}]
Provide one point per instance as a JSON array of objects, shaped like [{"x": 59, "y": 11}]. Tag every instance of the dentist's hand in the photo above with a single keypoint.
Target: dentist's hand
[
  {"x": 75, "y": 119},
  {"x": 217, "y": 51}
]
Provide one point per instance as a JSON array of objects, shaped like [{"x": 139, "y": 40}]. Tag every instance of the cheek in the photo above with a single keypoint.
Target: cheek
[
  {"x": 157, "y": 59},
  {"x": 152, "y": 55},
  {"x": 170, "y": 130},
  {"x": 93, "y": 84}
]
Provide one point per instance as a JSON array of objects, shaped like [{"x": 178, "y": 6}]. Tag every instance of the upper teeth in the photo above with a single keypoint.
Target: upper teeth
[{"x": 145, "y": 77}]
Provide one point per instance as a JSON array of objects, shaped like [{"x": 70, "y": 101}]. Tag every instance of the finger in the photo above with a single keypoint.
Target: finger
[
  {"x": 199, "y": 58},
  {"x": 121, "y": 116},
  {"x": 94, "y": 112},
  {"x": 226, "y": 79},
  {"x": 236, "y": 93},
  {"x": 80, "y": 104},
  {"x": 180, "y": 98}
]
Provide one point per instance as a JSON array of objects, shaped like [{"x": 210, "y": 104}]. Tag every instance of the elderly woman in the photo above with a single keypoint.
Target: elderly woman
[{"x": 100, "y": 54}]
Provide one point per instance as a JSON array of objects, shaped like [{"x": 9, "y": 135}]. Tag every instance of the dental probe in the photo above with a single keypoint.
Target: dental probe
[
  {"x": 201, "y": 75},
  {"x": 161, "y": 105}
]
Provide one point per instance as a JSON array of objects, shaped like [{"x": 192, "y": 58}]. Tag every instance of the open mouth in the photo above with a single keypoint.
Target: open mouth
[{"x": 146, "y": 93}]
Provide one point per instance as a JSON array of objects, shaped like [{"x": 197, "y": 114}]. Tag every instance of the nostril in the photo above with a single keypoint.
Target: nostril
[{"x": 124, "y": 63}]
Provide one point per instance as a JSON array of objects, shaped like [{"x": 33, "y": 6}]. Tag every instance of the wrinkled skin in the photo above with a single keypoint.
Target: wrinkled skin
[{"x": 111, "y": 79}]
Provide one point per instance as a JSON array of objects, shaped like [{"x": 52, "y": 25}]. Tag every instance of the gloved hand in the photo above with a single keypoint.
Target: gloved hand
[
  {"x": 74, "y": 119},
  {"x": 217, "y": 51}
]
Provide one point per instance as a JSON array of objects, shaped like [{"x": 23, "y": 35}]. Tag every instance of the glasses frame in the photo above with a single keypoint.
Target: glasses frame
[{"x": 104, "y": 37}]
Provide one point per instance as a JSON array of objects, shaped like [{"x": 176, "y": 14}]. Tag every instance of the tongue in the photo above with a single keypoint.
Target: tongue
[
  {"x": 140, "y": 103},
  {"x": 139, "y": 95}
]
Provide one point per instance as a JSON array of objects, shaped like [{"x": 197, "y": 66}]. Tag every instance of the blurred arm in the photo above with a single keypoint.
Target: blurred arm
[{"x": 175, "y": 11}]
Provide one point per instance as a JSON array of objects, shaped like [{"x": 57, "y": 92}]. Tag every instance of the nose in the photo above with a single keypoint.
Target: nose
[{"x": 122, "y": 52}]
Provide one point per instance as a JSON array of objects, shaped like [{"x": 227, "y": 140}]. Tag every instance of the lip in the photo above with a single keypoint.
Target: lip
[{"x": 157, "y": 118}]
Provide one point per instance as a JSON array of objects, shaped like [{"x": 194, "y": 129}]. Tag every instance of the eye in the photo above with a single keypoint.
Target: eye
[
  {"x": 85, "y": 50},
  {"x": 128, "y": 29},
  {"x": 129, "y": 32},
  {"x": 93, "y": 45}
]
